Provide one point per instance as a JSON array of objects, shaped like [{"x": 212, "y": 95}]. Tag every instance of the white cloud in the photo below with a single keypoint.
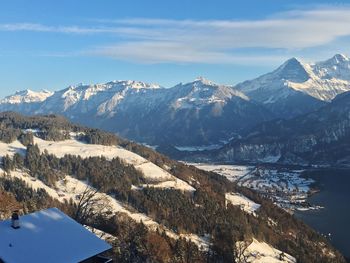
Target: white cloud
[
  {"x": 211, "y": 41},
  {"x": 172, "y": 52},
  {"x": 219, "y": 41}
]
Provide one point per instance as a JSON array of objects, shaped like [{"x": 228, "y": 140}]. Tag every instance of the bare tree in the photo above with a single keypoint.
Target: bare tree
[
  {"x": 8, "y": 204},
  {"x": 90, "y": 205},
  {"x": 240, "y": 252}
]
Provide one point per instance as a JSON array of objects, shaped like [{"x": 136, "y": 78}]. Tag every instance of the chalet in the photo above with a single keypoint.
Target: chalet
[{"x": 49, "y": 236}]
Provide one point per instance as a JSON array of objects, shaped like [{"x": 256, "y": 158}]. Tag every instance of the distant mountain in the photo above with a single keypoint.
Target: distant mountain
[
  {"x": 24, "y": 101},
  {"x": 297, "y": 87},
  {"x": 196, "y": 113},
  {"x": 321, "y": 137},
  {"x": 27, "y": 96},
  {"x": 199, "y": 113}
]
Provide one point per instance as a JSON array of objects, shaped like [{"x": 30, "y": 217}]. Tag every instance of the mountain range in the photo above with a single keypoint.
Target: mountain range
[
  {"x": 196, "y": 113},
  {"x": 317, "y": 138}
]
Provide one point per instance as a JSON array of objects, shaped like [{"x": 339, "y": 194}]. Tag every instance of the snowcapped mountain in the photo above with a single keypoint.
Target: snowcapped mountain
[
  {"x": 196, "y": 113},
  {"x": 26, "y": 101},
  {"x": 203, "y": 92},
  {"x": 202, "y": 112},
  {"x": 192, "y": 114},
  {"x": 100, "y": 98},
  {"x": 26, "y": 96},
  {"x": 297, "y": 87},
  {"x": 337, "y": 67}
]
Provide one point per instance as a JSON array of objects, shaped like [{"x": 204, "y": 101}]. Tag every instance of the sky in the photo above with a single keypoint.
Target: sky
[{"x": 47, "y": 44}]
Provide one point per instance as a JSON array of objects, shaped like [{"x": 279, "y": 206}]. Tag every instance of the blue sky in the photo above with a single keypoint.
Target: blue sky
[{"x": 52, "y": 44}]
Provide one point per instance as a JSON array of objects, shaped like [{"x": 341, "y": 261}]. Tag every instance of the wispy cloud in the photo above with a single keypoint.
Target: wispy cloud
[
  {"x": 176, "y": 52},
  {"x": 211, "y": 41}
]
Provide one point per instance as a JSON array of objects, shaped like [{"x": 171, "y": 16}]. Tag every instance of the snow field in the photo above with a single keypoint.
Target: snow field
[
  {"x": 231, "y": 172},
  {"x": 11, "y": 148},
  {"x": 261, "y": 252},
  {"x": 245, "y": 203}
]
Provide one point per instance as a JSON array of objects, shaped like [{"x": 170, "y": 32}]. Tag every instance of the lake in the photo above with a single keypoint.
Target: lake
[{"x": 334, "y": 196}]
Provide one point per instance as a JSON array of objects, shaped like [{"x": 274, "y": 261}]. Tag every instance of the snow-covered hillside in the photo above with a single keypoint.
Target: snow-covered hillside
[
  {"x": 261, "y": 252},
  {"x": 243, "y": 202},
  {"x": 11, "y": 148},
  {"x": 158, "y": 176},
  {"x": 70, "y": 188}
]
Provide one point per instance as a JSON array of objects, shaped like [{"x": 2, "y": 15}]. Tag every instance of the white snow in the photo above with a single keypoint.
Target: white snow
[
  {"x": 27, "y": 96},
  {"x": 202, "y": 92},
  {"x": 322, "y": 80},
  {"x": 151, "y": 171},
  {"x": 172, "y": 184},
  {"x": 261, "y": 252},
  {"x": 245, "y": 203},
  {"x": 198, "y": 148},
  {"x": 101, "y": 234},
  {"x": 231, "y": 172},
  {"x": 11, "y": 148},
  {"x": 103, "y": 98},
  {"x": 284, "y": 186},
  {"x": 48, "y": 236}
]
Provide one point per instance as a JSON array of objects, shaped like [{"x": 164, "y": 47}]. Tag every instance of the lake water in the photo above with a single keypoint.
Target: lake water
[{"x": 334, "y": 196}]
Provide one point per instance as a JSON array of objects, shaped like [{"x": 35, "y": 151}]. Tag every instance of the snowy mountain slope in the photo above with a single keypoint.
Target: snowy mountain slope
[
  {"x": 99, "y": 98},
  {"x": 203, "y": 92},
  {"x": 11, "y": 148},
  {"x": 297, "y": 87},
  {"x": 26, "y": 96},
  {"x": 196, "y": 113},
  {"x": 26, "y": 101},
  {"x": 70, "y": 188},
  {"x": 337, "y": 67},
  {"x": 261, "y": 252}
]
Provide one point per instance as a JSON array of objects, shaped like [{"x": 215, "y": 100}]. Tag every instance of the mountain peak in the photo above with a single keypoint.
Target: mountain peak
[
  {"x": 23, "y": 92},
  {"x": 339, "y": 58},
  {"x": 293, "y": 70},
  {"x": 204, "y": 81},
  {"x": 337, "y": 67},
  {"x": 27, "y": 96},
  {"x": 292, "y": 62}
]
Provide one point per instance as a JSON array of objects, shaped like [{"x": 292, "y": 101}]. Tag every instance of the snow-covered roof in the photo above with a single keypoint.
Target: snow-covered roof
[{"x": 48, "y": 236}]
